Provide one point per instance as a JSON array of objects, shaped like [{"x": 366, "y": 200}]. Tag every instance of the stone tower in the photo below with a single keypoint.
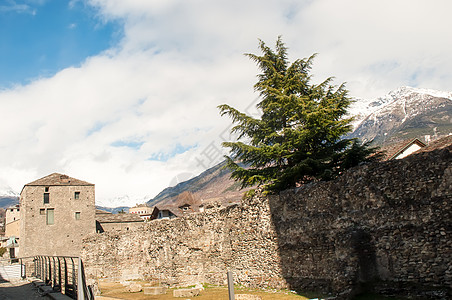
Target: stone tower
[{"x": 56, "y": 212}]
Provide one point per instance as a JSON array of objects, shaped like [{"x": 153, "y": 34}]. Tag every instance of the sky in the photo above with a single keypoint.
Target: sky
[{"x": 124, "y": 94}]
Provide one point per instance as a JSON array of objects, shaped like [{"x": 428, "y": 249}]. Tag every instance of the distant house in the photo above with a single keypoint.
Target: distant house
[
  {"x": 56, "y": 213},
  {"x": 402, "y": 149},
  {"x": 12, "y": 230},
  {"x": 12, "y": 219},
  {"x": 164, "y": 212},
  {"x": 143, "y": 210},
  {"x": 106, "y": 221}
]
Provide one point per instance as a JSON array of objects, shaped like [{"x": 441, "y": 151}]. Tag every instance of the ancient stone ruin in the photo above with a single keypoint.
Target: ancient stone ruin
[{"x": 382, "y": 226}]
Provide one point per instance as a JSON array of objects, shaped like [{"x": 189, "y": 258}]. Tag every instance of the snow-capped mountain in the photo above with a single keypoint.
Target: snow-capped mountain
[
  {"x": 8, "y": 196},
  {"x": 114, "y": 202},
  {"x": 402, "y": 114},
  {"x": 7, "y": 191},
  {"x": 120, "y": 201}
]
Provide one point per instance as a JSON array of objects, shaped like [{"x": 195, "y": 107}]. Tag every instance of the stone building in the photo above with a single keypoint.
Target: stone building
[
  {"x": 12, "y": 221},
  {"x": 56, "y": 212},
  {"x": 12, "y": 230},
  {"x": 106, "y": 221},
  {"x": 164, "y": 212},
  {"x": 143, "y": 210}
]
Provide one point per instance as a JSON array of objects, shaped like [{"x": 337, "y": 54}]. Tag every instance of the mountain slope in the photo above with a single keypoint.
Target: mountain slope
[
  {"x": 407, "y": 113},
  {"x": 6, "y": 201},
  {"x": 113, "y": 210},
  {"x": 213, "y": 184}
]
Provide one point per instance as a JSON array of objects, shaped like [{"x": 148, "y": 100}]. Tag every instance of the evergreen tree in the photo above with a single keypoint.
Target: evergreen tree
[{"x": 300, "y": 134}]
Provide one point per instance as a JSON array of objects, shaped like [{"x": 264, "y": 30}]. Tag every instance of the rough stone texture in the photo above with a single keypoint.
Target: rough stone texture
[
  {"x": 385, "y": 225},
  {"x": 154, "y": 290},
  {"x": 180, "y": 293},
  {"x": 64, "y": 237}
]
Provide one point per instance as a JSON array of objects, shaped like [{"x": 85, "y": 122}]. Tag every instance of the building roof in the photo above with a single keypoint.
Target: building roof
[
  {"x": 13, "y": 206},
  {"x": 173, "y": 209},
  {"x": 440, "y": 143},
  {"x": 118, "y": 218},
  {"x": 101, "y": 212},
  {"x": 56, "y": 179},
  {"x": 391, "y": 151}
]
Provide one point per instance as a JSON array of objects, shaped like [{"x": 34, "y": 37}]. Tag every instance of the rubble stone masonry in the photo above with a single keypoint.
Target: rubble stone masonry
[
  {"x": 383, "y": 225},
  {"x": 64, "y": 236}
]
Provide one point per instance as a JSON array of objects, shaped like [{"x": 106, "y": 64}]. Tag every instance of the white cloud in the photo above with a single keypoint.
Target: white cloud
[
  {"x": 156, "y": 92},
  {"x": 12, "y": 6}
]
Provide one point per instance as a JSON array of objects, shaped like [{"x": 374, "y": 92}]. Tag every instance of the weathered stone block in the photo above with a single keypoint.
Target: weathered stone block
[
  {"x": 134, "y": 288},
  {"x": 154, "y": 290},
  {"x": 179, "y": 293}
]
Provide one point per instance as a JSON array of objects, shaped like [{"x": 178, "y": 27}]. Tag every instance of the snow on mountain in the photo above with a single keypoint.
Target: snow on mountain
[
  {"x": 7, "y": 191},
  {"x": 404, "y": 113},
  {"x": 114, "y": 202},
  {"x": 362, "y": 108},
  {"x": 121, "y": 201}
]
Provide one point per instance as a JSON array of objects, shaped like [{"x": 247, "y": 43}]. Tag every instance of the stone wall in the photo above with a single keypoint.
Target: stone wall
[
  {"x": 385, "y": 225},
  {"x": 117, "y": 226}
]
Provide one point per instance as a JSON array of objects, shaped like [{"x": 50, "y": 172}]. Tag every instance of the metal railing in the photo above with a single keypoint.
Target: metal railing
[{"x": 64, "y": 274}]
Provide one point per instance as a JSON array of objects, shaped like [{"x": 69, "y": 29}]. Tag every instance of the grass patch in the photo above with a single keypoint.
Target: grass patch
[{"x": 117, "y": 290}]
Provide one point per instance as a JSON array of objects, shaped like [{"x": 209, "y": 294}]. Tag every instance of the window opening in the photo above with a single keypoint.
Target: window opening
[
  {"x": 77, "y": 195},
  {"x": 46, "y": 198},
  {"x": 50, "y": 214},
  {"x": 77, "y": 215}
]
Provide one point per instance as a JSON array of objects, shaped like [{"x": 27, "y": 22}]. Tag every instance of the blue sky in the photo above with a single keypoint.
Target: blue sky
[
  {"x": 124, "y": 93},
  {"x": 39, "y": 38}
]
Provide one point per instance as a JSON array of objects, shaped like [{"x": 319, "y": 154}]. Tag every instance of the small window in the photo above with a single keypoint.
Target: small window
[
  {"x": 77, "y": 195},
  {"x": 46, "y": 198},
  {"x": 50, "y": 214},
  {"x": 46, "y": 189},
  {"x": 77, "y": 215},
  {"x": 42, "y": 211}
]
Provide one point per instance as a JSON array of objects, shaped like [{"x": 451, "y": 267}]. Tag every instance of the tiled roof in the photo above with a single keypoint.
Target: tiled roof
[
  {"x": 118, "y": 218},
  {"x": 440, "y": 143},
  {"x": 100, "y": 212},
  {"x": 57, "y": 179}
]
